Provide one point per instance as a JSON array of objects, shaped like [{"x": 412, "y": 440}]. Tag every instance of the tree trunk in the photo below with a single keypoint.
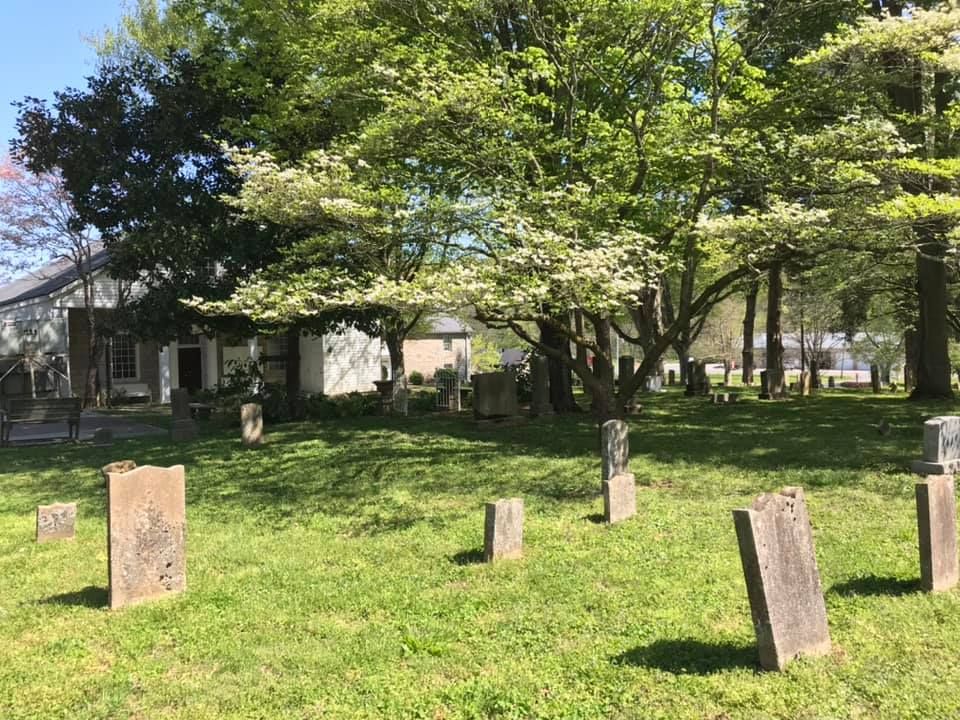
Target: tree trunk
[
  {"x": 561, "y": 377},
  {"x": 394, "y": 340},
  {"x": 911, "y": 352},
  {"x": 294, "y": 399},
  {"x": 749, "y": 326},
  {"x": 93, "y": 361},
  {"x": 777, "y": 383},
  {"x": 727, "y": 370},
  {"x": 933, "y": 359},
  {"x": 604, "y": 402}
]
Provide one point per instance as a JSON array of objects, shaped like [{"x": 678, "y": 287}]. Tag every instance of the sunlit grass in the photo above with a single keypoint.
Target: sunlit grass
[{"x": 333, "y": 574}]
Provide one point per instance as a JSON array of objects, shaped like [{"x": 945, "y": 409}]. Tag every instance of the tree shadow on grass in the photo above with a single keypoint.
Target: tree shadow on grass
[
  {"x": 91, "y": 597},
  {"x": 691, "y": 657},
  {"x": 468, "y": 557},
  {"x": 875, "y": 585},
  {"x": 595, "y": 518}
]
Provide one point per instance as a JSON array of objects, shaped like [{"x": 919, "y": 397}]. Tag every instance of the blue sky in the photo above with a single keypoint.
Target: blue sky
[{"x": 44, "y": 49}]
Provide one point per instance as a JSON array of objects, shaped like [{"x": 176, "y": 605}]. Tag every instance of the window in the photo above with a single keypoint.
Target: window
[
  {"x": 447, "y": 342},
  {"x": 276, "y": 355},
  {"x": 124, "y": 358}
]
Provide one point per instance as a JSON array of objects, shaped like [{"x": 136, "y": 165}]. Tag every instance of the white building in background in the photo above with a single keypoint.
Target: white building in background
[{"x": 44, "y": 341}]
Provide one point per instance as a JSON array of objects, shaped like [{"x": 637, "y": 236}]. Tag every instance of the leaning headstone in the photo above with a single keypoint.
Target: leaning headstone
[
  {"x": 875, "y": 378},
  {"x": 783, "y": 583},
  {"x": 540, "y": 380},
  {"x": 103, "y": 437},
  {"x": 56, "y": 522},
  {"x": 118, "y": 467},
  {"x": 619, "y": 498},
  {"x": 941, "y": 447},
  {"x": 184, "y": 427},
  {"x": 672, "y": 378},
  {"x": 614, "y": 448},
  {"x": 937, "y": 525},
  {"x": 251, "y": 424},
  {"x": 503, "y": 530},
  {"x": 495, "y": 395},
  {"x": 831, "y": 382},
  {"x": 146, "y": 517}
]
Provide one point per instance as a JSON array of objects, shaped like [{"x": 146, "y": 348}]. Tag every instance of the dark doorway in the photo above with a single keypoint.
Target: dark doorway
[{"x": 191, "y": 369}]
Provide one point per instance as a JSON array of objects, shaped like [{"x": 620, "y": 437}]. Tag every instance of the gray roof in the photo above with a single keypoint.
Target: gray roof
[
  {"x": 446, "y": 325},
  {"x": 48, "y": 279}
]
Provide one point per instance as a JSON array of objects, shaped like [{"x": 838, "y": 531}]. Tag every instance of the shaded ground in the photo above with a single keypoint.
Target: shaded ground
[{"x": 123, "y": 427}]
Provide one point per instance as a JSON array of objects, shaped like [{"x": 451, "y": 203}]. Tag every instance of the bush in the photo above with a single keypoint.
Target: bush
[{"x": 416, "y": 378}]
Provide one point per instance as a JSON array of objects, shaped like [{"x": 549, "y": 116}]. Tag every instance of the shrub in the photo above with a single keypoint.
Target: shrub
[{"x": 416, "y": 378}]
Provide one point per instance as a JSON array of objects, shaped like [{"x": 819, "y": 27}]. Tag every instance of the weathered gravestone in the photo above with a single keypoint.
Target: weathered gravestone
[
  {"x": 691, "y": 387},
  {"x": 614, "y": 449},
  {"x": 806, "y": 384},
  {"x": 619, "y": 498},
  {"x": 118, "y": 467},
  {"x": 783, "y": 583},
  {"x": 672, "y": 377},
  {"x": 937, "y": 526},
  {"x": 776, "y": 384},
  {"x": 941, "y": 447},
  {"x": 251, "y": 424},
  {"x": 540, "y": 380},
  {"x": 503, "y": 530},
  {"x": 56, "y": 522},
  {"x": 831, "y": 382},
  {"x": 103, "y": 437},
  {"x": 764, "y": 385},
  {"x": 184, "y": 427},
  {"x": 701, "y": 384},
  {"x": 146, "y": 520},
  {"x": 653, "y": 383},
  {"x": 495, "y": 395},
  {"x": 875, "y": 378}
]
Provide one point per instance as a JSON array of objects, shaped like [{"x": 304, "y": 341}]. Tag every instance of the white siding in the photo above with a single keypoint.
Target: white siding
[
  {"x": 311, "y": 364},
  {"x": 351, "y": 362},
  {"x": 50, "y": 324}
]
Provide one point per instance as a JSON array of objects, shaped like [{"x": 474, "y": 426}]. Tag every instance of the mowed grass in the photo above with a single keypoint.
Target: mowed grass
[{"x": 334, "y": 574}]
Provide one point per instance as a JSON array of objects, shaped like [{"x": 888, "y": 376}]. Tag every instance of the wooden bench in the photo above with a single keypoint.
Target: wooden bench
[{"x": 24, "y": 411}]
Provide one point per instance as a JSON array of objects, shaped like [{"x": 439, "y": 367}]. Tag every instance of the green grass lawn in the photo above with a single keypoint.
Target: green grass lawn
[{"x": 334, "y": 574}]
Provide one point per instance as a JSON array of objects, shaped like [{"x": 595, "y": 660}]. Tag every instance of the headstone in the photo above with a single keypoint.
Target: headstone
[
  {"x": 764, "y": 385},
  {"x": 702, "y": 384},
  {"x": 184, "y": 427},
  {"x": 875, "y": 378},
  {"x": 56, "y": 522},
  {"x": 937, "y": 525},
  {"x": 614, "y": 448},
  {"x": 783, "y": 583},
  {"x": 251, "y": 424},
  {"x": 672, "y": 377},
  {"x": 503, "y": 530},
  {"x": 495, "y": 395},
  {"x": 941, "y": 447},
  {"x": 540, "y": 380},
  {"x": 619, "y": 498},
  {"x": 653, "y": 383},
  {"x": 103, "y": 437},
  {"x": 146, "y": 514},
  {"x": 119, "y": 467},
  {"x": 691, "y": 388},
  {"x": 806, "y": 384},
  {"x": 831, "y": 382}
]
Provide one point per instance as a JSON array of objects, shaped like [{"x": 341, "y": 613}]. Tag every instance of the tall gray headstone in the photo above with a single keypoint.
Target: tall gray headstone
[
  {"x": 503, "y": 530},
  {"x": 251, "y": 424},
  {"x": 146, "y": 521},
  {"x": 941, "y": 447},
  {"x": 183, "y": 427},
  {"x": 671, "y": 378},
  {"x": 937, "y": 526},
  {"x": 783, "y": 582},
  {"x": 764, "y": 385},
  {"x": 614, "y": 449},
  {"x": 831, "y": 382},
  {"x": 56, "y": 522},
  {"x": 540, "y": 380},
  {"x": 619, "y": 498}
]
